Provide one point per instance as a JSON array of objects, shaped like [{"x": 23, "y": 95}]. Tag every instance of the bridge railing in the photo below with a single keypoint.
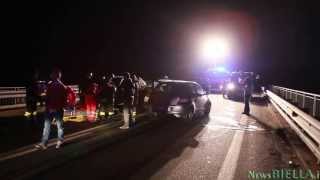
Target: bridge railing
[
  {"x": 15, "y": 97},
  {"x": 308, "y": 102},
  {"x": 12, "y": 97},
  {"x": 303, "y": 123}
]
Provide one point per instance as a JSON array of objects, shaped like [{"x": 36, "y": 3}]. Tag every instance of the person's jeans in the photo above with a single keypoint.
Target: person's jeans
[
  {"x": 58, "y": 116},
  {"x": 127, "y": 115}
]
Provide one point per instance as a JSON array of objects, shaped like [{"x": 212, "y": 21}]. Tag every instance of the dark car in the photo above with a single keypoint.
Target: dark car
[
  {"x": 233, "y": 88},
  {"x": 213, "y": 79},
  {"x": 184, "y": 99}
]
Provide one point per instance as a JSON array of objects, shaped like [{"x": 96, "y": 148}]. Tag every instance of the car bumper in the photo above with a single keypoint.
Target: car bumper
[{"x": 177, "y": 110}]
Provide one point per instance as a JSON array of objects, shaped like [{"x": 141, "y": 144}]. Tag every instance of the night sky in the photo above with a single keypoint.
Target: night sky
[{"x": 278, "y": 39}]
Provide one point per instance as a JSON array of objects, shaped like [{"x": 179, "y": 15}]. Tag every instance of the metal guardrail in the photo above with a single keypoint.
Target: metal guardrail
[
  {"x": 12, "y": 97},
  {"x": 15, "y": 97},
  {"x": 305, "y": 125},
  {"x": 12, "y": 89},
  {"x": 308, "y": 102}
]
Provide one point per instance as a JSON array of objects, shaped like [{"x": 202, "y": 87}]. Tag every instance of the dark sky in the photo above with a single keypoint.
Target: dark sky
[{"x": 279, "y": 39}]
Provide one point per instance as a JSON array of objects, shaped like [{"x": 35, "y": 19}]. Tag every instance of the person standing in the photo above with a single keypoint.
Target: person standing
[
  {"x": 127, "y": 88},
  {"x": 106, "y": 99},
  {"x": 248, "y": 88},
  {"x": 55, "y": 101},
  {"x": 71, "y": 101},
  {"x": 32, "y": 97},
  {"x": 136, "y": 102},
  {"x": 90, "y": 101},
  {"x": 84, "y": 86}
]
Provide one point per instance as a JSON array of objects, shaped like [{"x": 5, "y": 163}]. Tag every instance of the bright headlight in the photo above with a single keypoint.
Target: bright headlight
[{"x": 230, "y": 86}]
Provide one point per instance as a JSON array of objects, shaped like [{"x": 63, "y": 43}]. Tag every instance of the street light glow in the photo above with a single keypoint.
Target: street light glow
[
  {"x": 230, "y": 86},
  {"x": 215, "y": 49}
]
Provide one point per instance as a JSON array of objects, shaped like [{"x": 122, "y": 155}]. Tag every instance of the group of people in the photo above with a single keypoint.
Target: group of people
[
  {"x": 101, "y": 99},
  {"x": 94, "y": 95}
]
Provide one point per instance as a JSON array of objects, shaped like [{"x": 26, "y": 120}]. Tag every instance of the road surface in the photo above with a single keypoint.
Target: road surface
[{"x": 226, "y": 145}]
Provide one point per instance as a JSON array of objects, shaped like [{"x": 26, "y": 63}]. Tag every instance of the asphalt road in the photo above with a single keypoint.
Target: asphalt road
[
  {"x": 227, "y": 145},
  {"x": 17, "y": 131}
]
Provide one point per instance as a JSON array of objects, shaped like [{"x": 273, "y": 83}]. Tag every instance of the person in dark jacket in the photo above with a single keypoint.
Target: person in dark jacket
[
  {"x": 248, "y": 88},
  {"x": 106, "y": 99},
  {"x": 127, "y": 88},
  {"x": 32, "y": 94},
  {"x": 136, "y": 102},
  {"x": 56, "y": 99}
]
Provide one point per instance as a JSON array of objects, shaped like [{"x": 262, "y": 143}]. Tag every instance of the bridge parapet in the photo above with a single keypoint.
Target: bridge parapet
[
  {"x": 308, "y": 102},
  {"x": 303, "y": 123},
  {"x": 15, "y": 97}
]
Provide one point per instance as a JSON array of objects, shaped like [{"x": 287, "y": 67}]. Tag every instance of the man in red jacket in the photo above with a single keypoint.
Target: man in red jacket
[{"x": 55, "y": 102}]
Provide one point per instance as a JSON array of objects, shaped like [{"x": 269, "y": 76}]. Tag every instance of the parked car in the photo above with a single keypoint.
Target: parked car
[{"x": 184, "y": 99}]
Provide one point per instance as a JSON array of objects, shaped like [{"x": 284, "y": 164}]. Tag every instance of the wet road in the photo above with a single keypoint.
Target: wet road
[{"x": 227, "y": 145}]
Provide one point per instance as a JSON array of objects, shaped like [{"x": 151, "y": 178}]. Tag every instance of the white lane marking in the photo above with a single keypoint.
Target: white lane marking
[{"x": 230, "y": 163}]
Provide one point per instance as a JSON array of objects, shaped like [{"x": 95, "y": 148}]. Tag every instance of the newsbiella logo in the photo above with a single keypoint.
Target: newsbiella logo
[{"x": 285, "y": 174}]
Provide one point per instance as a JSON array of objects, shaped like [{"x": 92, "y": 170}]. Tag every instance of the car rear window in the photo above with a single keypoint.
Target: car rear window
[{"x": 182, "y": 89}]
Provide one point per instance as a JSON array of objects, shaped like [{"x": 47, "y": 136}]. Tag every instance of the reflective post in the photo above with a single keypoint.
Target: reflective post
[
  {"x": 290, "y": 95},
  {"x": 314, "y": 106}
]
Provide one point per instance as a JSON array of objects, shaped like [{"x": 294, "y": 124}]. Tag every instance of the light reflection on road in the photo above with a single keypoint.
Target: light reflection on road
[{"x": 226, "y": 114}]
